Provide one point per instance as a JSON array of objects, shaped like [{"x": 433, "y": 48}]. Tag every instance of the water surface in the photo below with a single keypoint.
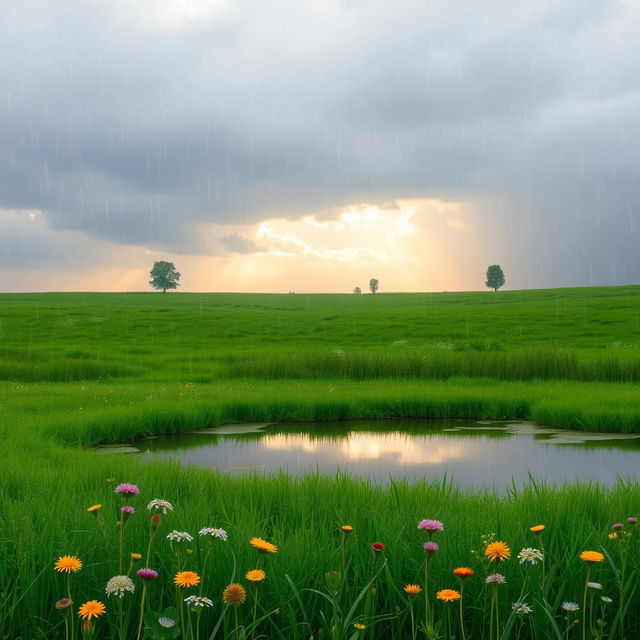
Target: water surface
[{"x": 479, "y": 454}]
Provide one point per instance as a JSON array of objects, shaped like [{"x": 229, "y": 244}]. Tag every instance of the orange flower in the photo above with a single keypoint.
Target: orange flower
[
  {"x": 91, "y": 609},
  {"x": 256, "y": 575},
  {"x": 94, "y": 508},
  {"x": 448, "y": 595},
  {"x": 346, "y": 528},
  {"x": 263, "y": 546},
  {"x": 539, "y": 528},
  {"x": 186, "y": 579},
  {"x": 591, "y": 556},
  {"x": 235, "y": 594},
  {"x": 412, "y": 589},
  {"x": 463, "y": 572},
  {"x": 136, "y": 556},
  {"x": 497, "y": 551},
  {"x": 68, "y": 564}
]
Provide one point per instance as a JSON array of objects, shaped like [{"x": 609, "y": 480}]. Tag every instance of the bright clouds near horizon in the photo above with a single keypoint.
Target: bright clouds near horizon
[{"x": 408, "y": 245}]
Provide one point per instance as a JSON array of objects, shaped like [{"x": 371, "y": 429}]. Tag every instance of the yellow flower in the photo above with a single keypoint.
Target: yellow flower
[
  {"x": 235, "y": 594},
  {"x": 463, "y": 572},
  {"x": 412, "y": 589},
  {"x": 497, "y": 551},
  {"x": 136, "y": 556},
  {"x": 448, "y": 595},
  {"x": 263, "y": 546},
  {"x": 346, "y": 528},
  {"x": 612, "y": 536},
  {"x": 186, "y": 579},
  {"x": 591, "y": 556},
  {"x": 94, "y": 508},
  {"x": 359, "y": 626},
  {"x": 91, "y": 609},
  {"x": 539, "y": 528},
  {"x": 68, "y": 563},
  {"x": 256, "y": 575}
]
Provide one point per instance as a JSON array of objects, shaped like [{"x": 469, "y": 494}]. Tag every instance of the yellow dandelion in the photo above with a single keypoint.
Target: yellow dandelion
[
  {"x": 359, "y": 626},
  {"x": 412, "y": 589},
  {"x": 263, "y": 546},
  {"x": 94, "y": 508},
  {"x": 256, "y": 575},
  {"x": 448, "y": 595},
  {"x": 591, "y": 556},
  {"x": 69, "y": 564},
  {"x": 346, "y": 528},
  {"x": 136, "y": 556},
  {"x": 235, "y": 595},
  {"x": 497, "y": 551},
  {"x": 539, "y": 528},
  {"x": 186, "y": 579},
  {"x": 91, "y": 609},
  {"x": 612, "y": 536}
]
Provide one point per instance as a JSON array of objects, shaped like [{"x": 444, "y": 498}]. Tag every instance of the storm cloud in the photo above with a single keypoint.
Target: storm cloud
[{"x": 139, "y": 124}]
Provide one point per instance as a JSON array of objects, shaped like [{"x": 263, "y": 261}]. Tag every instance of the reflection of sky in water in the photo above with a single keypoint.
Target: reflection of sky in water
[{"x": 489, "y": 459}]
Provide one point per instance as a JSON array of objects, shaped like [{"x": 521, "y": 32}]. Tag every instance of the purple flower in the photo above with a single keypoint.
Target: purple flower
[
  {"x": 431, "y": 525},
  {"x": 127, "y": 510},
  {"x": 431, "y": 547},
  {"x": 617, "y": 525},
  {"x": 127, "y": 489},
  {"x": 632, "y": 520},
  {"x": 147, "y": 574}
]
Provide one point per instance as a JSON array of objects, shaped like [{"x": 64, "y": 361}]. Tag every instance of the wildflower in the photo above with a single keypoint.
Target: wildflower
[
  {"x": 346, "y": 528},
  {"x": 126, "y": 512},
  {"x": 235, "y": 595},
  {"x": 463, "y": 572},
  {"x": 136, "y": 556},
  {"x": 68, "y": 564},
  {"x": 256, "y": 575},
  {"x": 606, "y": 599},
  {"x": 359, "y": 626},
  {"x": 594, "y": 585},
  {"x": 94, "y": 508},
  {"x": 521, "y": 608},
  {"x": 147, "y": 574},
  {"x": 539, "y": 528},
  {"x": 495, "y": 578},
  {"x": 377, "y": 547},
  {"x": 430, "y": 525},
  {"x": 530, "y": 555},
  {"x": 632, "y": 520},
  {"x": 166, "y": 623},
  {"x": 617, "y": 526},
  {"x": 198, "y": 601},
  {"x": 127, "y": 489},
  {"x": 591, "y": 556},
  {"x": 160, "y": 505},
  {"x": 570, "y": 607},
  {"x": 448, "y": 595},
  {"x": 186, "y": 579},
  {"x": 64, "y": 604},
  {"x": 430, "y": 547},
  {"x": 221, "y": 534},
  {"x": 91, "y": 609},
  {"x": 179, "y": 536},
  {"x": 118, "y": 585},
  {"x": 497, "y": 551},
  {"x": 612, "y": 536},
  {"x": 262, "y": 546},
  {"x": 412, "y": 589},
  {"x": 111, "y": 480},
  {"x": 156, "y": 518}
]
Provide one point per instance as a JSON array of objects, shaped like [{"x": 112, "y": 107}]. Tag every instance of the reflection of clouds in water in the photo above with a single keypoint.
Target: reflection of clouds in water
[{"x": 360, "y": 447}]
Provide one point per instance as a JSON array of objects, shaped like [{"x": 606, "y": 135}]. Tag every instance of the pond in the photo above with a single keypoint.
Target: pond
[{"x": 473, "y": 454}]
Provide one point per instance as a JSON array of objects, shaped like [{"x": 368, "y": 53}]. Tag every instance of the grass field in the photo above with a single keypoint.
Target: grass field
[{"x": 78, "y": 369}]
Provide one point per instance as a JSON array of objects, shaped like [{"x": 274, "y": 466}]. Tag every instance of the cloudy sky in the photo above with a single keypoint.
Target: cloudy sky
[{"x": 311, "y": 145}]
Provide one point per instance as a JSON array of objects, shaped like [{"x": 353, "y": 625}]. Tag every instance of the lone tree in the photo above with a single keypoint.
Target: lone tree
[
  {"x": 373, "y": 285},
  {"x": 495, "y": 277},
  {"x": 164, "y": 276},
  {"x": 357, "y": 291}
]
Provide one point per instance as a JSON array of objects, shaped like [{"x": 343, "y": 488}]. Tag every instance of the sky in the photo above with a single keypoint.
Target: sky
[{"x": 311, "y": 145}]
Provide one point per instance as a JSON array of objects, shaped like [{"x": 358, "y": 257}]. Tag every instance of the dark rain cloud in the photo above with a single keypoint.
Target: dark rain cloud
[{"x": 138, "y": 123}]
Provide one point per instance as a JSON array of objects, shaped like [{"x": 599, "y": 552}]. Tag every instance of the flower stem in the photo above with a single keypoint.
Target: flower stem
[
  {"x": 584, "y": 606},
  {"x": 142, "y": 601},
  {"x": 461, "y": 616}
]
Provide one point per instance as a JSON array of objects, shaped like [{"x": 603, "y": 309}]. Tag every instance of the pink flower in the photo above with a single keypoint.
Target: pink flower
[
  {"x": 431, "y": 525},
  {"x": 127, "y": 489},
  {"x": 617, "y": 525},
  {"x": 147, "y": 574},
  {"x": 632, "y": 520},
  {"x": 431, "y": 547}
]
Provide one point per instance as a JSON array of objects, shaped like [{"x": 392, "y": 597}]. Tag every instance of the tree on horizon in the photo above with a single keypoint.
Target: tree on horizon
[
  {"x": 373, "y": 285},
  {"x": 495, "y": 277},
  {"x": 164, "y": 276}
]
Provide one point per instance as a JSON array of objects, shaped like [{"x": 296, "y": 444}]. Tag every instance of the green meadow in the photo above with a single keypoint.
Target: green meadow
[{"x": 81, "y": 369}]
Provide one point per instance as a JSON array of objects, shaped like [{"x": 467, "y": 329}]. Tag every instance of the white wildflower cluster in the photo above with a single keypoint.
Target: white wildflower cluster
[
  {"x": 198, "y": 601},
  {"x": 495, "y": 578},
  {"x": 530, "y": 555},
  {"x": 160, "y": 505},
  {"x": 570, "y": 607},
  {"x": 521, "y": 608},
  {"x": 117, "y": 586},
  {"x": 214, "y": 532},
  {"x": 179, "y": 536},
  {"x": 166, "y": 623}
]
